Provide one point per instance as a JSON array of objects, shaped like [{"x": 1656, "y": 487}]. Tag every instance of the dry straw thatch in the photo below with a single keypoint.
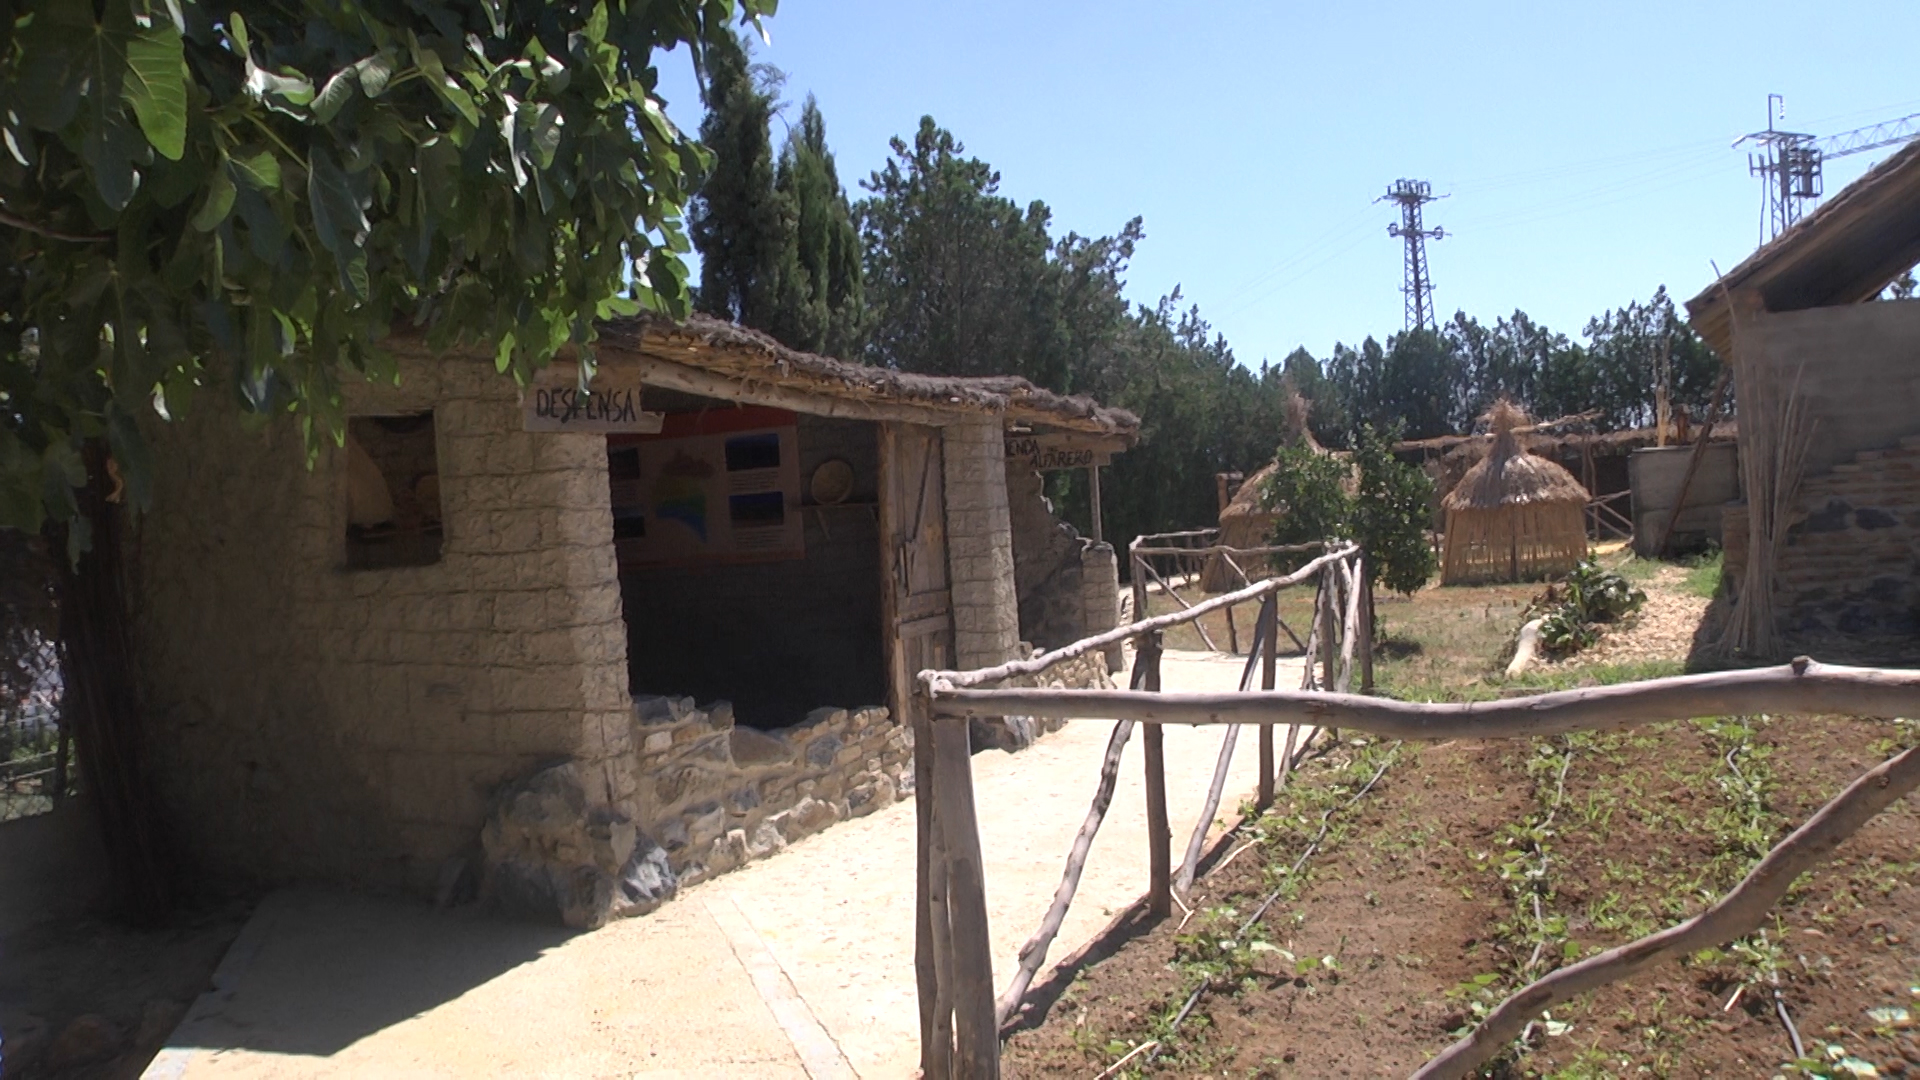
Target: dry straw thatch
[
  {"x": 1514, "y": 516},
  {"x": 1247, "y": 522}
]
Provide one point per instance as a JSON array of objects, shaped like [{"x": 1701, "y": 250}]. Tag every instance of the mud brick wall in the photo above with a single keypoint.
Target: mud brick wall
[
  {"x": 775, "y": 638},
  {"x": 308, "y": 722},
  {"x": 1854, "y": 366},
  {"x": 1067, "y": 585},
  {"x": 716, "y": 795}
]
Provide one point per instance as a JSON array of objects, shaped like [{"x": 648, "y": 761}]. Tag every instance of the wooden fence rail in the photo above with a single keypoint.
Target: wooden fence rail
[
  {"x": 1802, "y": 687},
  {"x": 960, "y": 1018}
]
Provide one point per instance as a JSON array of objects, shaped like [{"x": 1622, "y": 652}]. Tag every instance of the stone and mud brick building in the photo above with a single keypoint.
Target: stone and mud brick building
[
  {"x": 568, "y": 654},
  {"x": 1802, "y": 321}
]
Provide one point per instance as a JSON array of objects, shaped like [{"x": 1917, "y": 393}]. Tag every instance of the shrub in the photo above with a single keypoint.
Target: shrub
[
  {"x": 1591, "y": 595},
  {"x": 1387, "y": 512}
]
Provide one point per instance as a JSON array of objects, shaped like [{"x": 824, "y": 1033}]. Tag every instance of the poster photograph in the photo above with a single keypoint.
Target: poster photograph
[{"x": 715, "y": 486}]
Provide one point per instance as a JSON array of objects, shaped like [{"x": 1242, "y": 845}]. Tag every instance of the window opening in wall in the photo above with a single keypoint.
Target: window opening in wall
[
  {"x": 736, "y": 584},
  {"x": 393, "y": 492}
]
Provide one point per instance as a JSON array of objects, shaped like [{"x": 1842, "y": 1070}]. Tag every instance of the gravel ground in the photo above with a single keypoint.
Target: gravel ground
[{"x": 1662, "y": 630}]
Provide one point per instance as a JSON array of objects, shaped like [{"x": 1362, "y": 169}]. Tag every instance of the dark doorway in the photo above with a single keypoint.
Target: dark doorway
[{"x": 750, "y": 559}]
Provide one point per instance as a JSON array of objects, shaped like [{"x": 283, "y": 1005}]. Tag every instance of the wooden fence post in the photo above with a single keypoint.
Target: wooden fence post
[
  {"x": 1366, "y": 625},
  {"x": 936, "y": 1052},
  {"x": 930, "y": 904},
  {"x": 976, "y": 1032},
  {"x": 1159, "y": 833},
  {"x": 1139, "y": 582},
  {"x": 1329, "y": 597},
  {"x": 1267, "y": 634}
]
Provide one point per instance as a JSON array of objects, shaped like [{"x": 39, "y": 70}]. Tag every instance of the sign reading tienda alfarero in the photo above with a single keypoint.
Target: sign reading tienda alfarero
[
  {"x": 553, "y": 402},
  {"x": 1049, "y": 452}
]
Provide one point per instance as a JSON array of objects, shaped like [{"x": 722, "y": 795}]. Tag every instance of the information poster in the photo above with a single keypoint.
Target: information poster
[{"x": 716, "y": 486}]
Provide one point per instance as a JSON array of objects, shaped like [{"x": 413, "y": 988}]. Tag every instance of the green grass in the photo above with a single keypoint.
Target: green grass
[{"x": 1703, "y": 574}]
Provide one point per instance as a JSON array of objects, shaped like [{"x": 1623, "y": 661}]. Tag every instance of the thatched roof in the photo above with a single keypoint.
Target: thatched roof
[
  {"x": 1603, "y": 443},
  {"x": 1844, "y": 252},
  {"x": 713, "y": 358},
  {"x": 1246, "y": 501},
  {"x": 736, "y": 352},
  {"x": 1509, "y": 476}
]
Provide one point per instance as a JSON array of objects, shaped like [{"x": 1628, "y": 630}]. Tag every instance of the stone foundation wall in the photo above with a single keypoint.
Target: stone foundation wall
[
  {"x": 1848, "y": 579},
  {"x": 715, "y": 795}
]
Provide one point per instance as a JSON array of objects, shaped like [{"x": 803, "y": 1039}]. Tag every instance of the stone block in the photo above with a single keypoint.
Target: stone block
[
  {"x": 808, "y": 816},
  {"x": 824, "y": 751},
  {"x": 550, "y": 853},
  {"x": 765, "y": 841}
]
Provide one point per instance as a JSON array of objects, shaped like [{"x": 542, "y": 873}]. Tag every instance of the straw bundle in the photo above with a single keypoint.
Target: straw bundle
[
  {"x": 1773, "y": 454},
  {"x": 1514, "y": 516}
]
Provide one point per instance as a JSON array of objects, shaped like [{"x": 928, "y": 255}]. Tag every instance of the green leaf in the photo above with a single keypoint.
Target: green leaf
[
  {"x": 353, "y": 275},
  {"x": 443, "y": 84},
  {"x": 218, "y": 203},
  {"x": 339, "y": 218},
  {"x": 156, "y": 87},
  {"x": 375, "y": 72},
  {"x": 110, "y": 148},
  {"x": 237, "y": 31},
  {"x": 335, "y": 95},
  {"x": 259, "y": 168},
  {"x": 289, "y": 94},
  {"x": 544, "y": 138},
  {"x": 47, "y": 85}
]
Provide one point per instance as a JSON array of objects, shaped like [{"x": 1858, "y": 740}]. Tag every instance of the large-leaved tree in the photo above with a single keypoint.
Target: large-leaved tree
[{"x": 248, "y": 198}]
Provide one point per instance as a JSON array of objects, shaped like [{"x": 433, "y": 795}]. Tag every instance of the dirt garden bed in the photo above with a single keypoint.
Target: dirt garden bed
[{"x": 1471, "y": 868}]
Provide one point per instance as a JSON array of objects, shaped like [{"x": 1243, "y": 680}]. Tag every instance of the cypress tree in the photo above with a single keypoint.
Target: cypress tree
[
  {"x": 822, "y": 304},
  {"x": 737, "y": 221}
]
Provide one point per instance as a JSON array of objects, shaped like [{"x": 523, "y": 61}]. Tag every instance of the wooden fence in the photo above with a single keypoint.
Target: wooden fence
[
  {"x": 1187, "y": 557},
  {"x": 959, "y": 1013},
  {"x": 960, "y": 1017}
]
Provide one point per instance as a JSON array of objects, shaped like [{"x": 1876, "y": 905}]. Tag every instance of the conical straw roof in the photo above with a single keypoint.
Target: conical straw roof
[{"x": 1509, "y": 475}]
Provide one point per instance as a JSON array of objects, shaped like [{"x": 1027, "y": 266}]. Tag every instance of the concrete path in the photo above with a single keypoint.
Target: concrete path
[{"x": 799, "y": 965}]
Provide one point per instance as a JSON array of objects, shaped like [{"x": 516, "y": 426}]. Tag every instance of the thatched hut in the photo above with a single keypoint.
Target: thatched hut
[
  {"x": 1514, "y": 516},
  {"x": 1247, "y": 521}
]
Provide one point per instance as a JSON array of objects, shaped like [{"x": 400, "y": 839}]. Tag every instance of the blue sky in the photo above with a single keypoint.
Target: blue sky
[{"x": 1585, "y": 148}]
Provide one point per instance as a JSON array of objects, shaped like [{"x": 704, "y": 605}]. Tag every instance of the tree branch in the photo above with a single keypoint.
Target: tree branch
[{"x": 12, "y": 221}]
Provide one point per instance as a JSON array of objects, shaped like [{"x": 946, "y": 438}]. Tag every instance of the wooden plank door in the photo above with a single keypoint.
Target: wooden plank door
[
  {"x": 913, "y": 537},
  {"x": 918, "y": 615}
]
